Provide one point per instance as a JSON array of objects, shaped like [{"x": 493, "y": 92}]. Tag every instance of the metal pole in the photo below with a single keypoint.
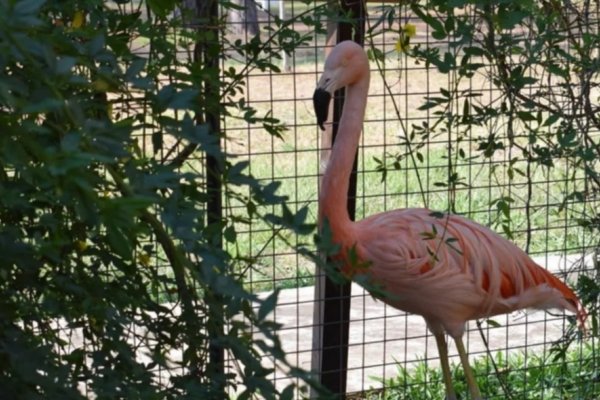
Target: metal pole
[
  {"x": 284, "y": 57},
  {"x": 332, "y": 302},
  {"x": 205, "y": 52}
]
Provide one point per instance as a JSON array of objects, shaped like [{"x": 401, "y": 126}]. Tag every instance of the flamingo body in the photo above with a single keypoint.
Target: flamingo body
[
  {"x": 451, "y": 270},
  {"x": 444, "y": 267}
]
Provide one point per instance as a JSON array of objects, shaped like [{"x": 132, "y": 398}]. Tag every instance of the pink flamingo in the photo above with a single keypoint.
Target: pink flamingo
[{"x": 443, "y": 267}]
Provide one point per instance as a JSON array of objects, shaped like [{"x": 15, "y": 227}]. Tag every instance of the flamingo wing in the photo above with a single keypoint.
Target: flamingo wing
[{"x": 451, "y": 269}]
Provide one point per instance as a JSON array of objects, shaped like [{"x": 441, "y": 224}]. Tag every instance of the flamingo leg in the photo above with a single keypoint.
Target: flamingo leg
[
  {"x": 464, "y": 359},
  {"x": 443, "y": 351}
]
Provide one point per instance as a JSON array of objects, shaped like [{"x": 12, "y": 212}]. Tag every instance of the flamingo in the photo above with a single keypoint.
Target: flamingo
[{"x": 443, "y": 267}]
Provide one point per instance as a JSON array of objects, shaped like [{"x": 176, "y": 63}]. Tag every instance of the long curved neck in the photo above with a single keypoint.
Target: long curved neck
[{"x": 334, "y": 190}]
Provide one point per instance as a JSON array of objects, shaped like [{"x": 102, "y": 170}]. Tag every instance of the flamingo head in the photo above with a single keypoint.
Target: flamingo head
[{"x": 344, "y": 66}]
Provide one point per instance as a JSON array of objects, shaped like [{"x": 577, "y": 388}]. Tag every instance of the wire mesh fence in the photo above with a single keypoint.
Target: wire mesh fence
[
  {"x": 433, "y": 137},
  {"x": 443, "y": 170}
]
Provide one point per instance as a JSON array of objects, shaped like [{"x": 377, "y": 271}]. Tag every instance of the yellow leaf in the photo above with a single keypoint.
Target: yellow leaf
[
  {"x": 78, "y": 19},
  {"x": 81, "y": 245},
  {"x": 144, "y": 258},
  {"x": 402, "y": 45},
  {"x": 410, "y": 30},
  {"x": 100, "y": 85},
  {"x": 398, "y": 46}
]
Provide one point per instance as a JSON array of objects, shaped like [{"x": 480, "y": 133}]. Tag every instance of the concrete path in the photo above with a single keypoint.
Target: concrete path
[{"x": 381, "y": 337}]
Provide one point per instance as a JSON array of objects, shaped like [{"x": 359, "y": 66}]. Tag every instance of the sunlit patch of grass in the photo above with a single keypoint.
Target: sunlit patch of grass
[
  {"x": 530, "y": 205},
  {"x": 278, "y": 266}
]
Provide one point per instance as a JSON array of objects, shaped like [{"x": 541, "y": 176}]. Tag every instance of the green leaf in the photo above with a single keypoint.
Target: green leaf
[
  {"x": 526, "y": 116},
  {"x": 267, "y": 305},
  {"x": 64, "y": 65},
  {"x": 182, "y": 99},
  {"x": 551, "y": 120},
  {"x": 162, "y": 7},
  {"x": 27, "y": 7},
  {"x": 437, "y": 26},
  {"x": 157, "y": 140},
  {"x": 433, "y": 102},
  {"x": 119, "y": 241},
  {"x": 508, "y": 19},
  {"x": 230, "y": 234},
  {"x": 287, "y": 393},
  {"x": 43, "y": 106},
  {"x": 493, "y": 323},
  {"x": 375, "y": 54}
]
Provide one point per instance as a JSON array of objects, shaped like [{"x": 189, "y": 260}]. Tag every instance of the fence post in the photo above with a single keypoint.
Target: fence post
[
  {"x": 332, "y": 301},
  {"x": 205, "y": 50}
]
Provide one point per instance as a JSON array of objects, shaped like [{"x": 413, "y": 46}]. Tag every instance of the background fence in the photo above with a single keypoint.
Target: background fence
[
  {"x": 443, "y": 168},
  {"x": 409, "y": 157},
  {"x": 482, "y": 110}
]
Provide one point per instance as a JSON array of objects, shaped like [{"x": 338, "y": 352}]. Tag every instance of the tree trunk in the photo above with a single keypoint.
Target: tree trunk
[{"x": 245, "y": 20}]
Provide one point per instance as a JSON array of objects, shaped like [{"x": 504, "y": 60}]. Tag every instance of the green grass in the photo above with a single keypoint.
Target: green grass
[
  {"x": 520, "y": 376},
  {"x": 536, "y": 221},
  {"x": 485, "y": 181}
]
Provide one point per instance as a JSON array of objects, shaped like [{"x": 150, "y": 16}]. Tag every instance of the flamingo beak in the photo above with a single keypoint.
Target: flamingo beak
[{"x": 321, "y": 99}]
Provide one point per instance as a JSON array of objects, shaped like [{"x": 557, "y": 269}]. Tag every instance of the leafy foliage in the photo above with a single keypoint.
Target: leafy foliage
[{"x": 114, "y": 281}]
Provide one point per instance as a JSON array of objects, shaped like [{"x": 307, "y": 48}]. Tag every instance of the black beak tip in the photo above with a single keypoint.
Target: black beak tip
[{"x": 321, "y": 100}]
